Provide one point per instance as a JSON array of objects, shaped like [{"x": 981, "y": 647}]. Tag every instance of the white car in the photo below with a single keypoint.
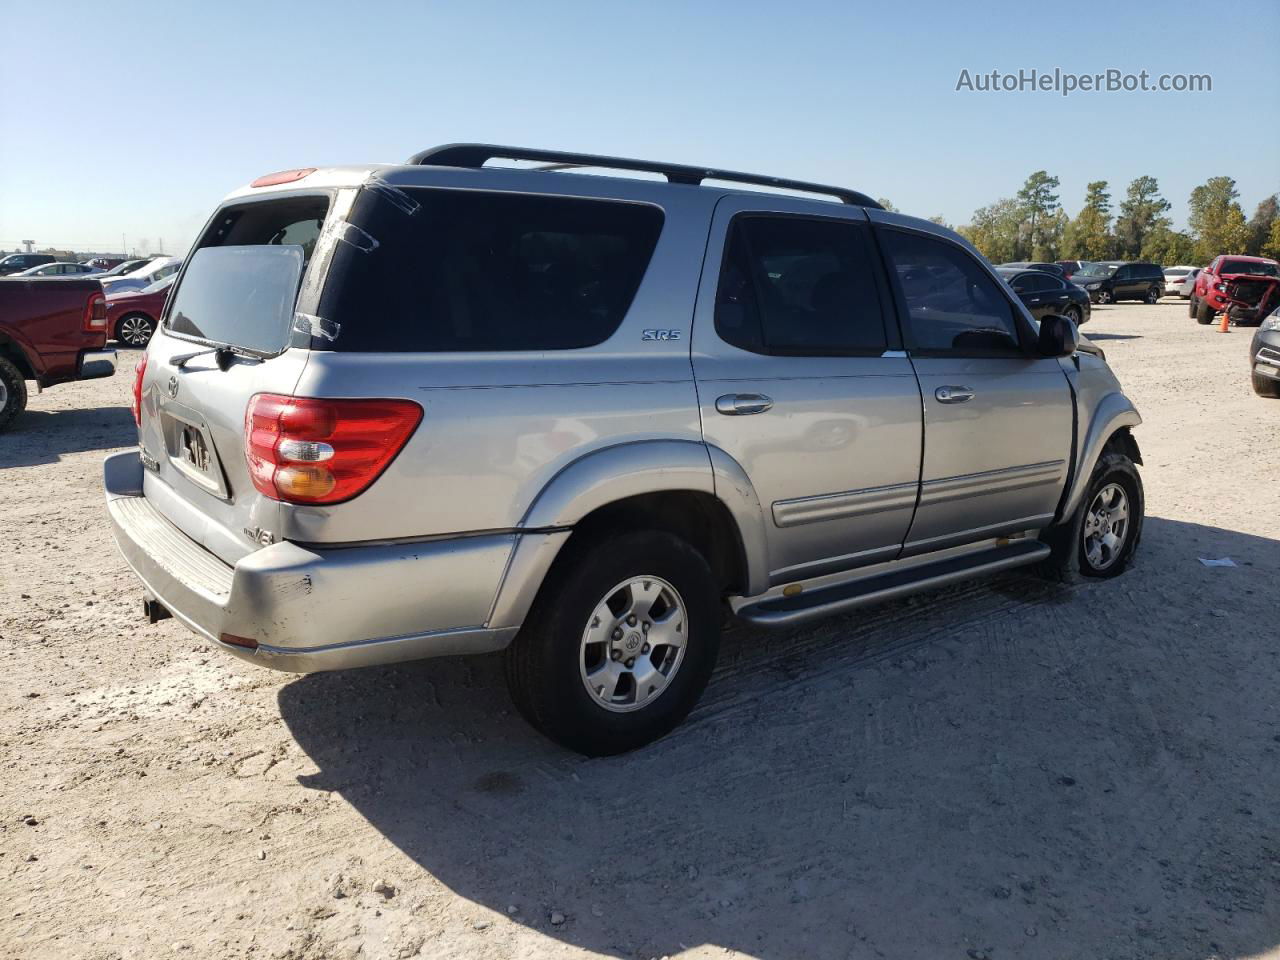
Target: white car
[
  {"x": 144, "y": 276},
  {"x": 1173, "y": 277},
  {"x": 60, "y": 268},
  {"x": 1188, "y": 285}
]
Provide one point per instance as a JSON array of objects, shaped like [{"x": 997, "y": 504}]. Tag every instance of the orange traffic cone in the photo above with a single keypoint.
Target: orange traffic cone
[{"x": 1226, "y": 321}]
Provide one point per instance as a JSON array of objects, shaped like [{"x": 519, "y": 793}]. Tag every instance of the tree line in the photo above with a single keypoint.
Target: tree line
[{"x": 1033, "y": 226}]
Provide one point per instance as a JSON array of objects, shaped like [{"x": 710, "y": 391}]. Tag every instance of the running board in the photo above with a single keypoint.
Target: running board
[{"x": 786, "y": 611}]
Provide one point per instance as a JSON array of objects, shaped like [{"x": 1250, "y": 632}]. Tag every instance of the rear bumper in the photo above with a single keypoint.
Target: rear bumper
[
  {"x": 320, "y": 609},
  {"x": 97, "y": 363}
]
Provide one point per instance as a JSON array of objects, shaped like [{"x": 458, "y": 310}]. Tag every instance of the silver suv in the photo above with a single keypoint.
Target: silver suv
[{"x": 447, "y": 407}]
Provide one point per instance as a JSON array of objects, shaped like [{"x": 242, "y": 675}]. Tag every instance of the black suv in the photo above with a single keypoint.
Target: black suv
[
  {"x": 16, "y": 262},
  {"x": 1113, "y": 280}
]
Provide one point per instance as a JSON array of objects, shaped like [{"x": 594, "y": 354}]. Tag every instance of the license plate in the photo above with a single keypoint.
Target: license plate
[{"x": 194, "y": 451}]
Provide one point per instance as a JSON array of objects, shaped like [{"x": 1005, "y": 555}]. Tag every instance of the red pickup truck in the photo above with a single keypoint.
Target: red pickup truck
[
  {"x": 1234, "y": 283},
  {"x": 51, "y": 330}
]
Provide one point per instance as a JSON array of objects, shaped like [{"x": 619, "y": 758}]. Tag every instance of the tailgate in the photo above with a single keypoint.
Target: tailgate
[{"x": 226, "y": 336}]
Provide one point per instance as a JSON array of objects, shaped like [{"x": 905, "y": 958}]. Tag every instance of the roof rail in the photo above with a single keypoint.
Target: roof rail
[{"x": 477, "y": 154}]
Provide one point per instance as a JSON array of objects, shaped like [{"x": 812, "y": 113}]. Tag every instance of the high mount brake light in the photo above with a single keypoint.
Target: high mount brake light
[
  {"x": 138, "y": 373},
  {"x": 316, "y": 450},
  {"x": 284, "y": 176}
]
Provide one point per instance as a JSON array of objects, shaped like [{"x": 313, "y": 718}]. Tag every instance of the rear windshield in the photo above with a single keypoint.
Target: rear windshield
[
  {"x": 241, "y": 296},
  {"x": 241, "y": 281},
  {"x": 1252, "y": 267},
  {"x": 472, "y": 271}
]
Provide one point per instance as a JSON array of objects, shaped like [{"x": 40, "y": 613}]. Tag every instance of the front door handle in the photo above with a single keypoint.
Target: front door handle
[
  {"x": 742, "y": 404},
  {"x": 951, "y": 394}
]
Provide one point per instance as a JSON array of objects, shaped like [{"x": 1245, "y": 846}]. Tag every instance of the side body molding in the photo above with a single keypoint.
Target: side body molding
[
  {"x": 1099, "y": 419},
  {"x": 616, "y": 473}
]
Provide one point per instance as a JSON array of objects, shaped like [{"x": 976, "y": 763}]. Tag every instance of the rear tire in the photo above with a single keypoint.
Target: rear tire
[
  {"x": 1072, "y": 313},
  {"x": 1153, "y": 295},
  {"x": 13, "y": 392},
  {"x": 1079, "y": 546},
  {"x": 584, "y": 626},
  {"x": 1203, "y": 313},
  {"x": 1266, "y": 387}
]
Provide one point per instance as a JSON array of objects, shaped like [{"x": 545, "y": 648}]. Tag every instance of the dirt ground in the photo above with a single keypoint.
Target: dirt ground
[{"x": 1004, "y": 769}]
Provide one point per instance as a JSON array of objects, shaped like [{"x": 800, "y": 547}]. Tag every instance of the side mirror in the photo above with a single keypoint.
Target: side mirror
[{"x": 1058, "y": 336}]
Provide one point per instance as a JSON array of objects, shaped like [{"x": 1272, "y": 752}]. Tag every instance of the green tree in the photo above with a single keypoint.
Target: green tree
[
  {"x": 1088, "y": 236},
  {"x": 1039, "y": 203},
  {"x": 1262, "y": 221},
  {"x": 1272, "y": 247},
  {"x": 1169, "y": 247},
  {"x": 941, "y": 221},
  {"x": 884, "y": 202},
  {"x": 1142, "y": 210},
  {"x": 995, "y": 229},
  {"x": 1216, "y": 219}
]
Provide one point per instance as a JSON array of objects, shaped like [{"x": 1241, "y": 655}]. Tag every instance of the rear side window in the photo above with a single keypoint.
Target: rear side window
[
  {"x": 471, "y": 271},
  {"x": 953, "y": 307},
  {"x": 800, "y": 287}
]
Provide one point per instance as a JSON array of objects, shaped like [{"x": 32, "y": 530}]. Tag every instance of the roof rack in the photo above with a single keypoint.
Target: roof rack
[{"x": 477, "y": 154}]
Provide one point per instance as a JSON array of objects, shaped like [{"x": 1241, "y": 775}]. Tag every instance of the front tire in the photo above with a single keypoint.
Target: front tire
[
  {"x": 1100, "y": 538},
  {"x": 619, "y": 645},
  {"x": 135, "y": 330},
  {"x": 1266, "y": 387},
  {"x": 1204, "y": 313},
  {"x": 1105, "y": 296},
  {"x": 13, "y": 392}
]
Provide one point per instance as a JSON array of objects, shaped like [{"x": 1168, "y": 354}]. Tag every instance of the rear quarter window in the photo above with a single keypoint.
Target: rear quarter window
[{"x": 475, "y": 271}]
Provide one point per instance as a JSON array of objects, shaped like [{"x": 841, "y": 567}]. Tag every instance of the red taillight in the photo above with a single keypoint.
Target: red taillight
[
  {"x": 95, "y": 313},
  {"x": 311, "y": 450},
  {"x": 138, "y": 372},
  {"x": 284, "y": 176}
]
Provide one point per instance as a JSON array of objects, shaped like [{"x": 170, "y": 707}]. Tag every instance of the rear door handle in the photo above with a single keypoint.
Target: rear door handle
[
  {"x": 951, "y": 394},
  {"x": 742, "y": 404}
]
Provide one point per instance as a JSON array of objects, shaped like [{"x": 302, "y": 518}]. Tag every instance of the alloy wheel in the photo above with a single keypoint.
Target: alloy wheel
[
  {"x": 633, "y": 644},
  {"x": 135, "y": 331},
  {"x": 1106, "y": 526}
]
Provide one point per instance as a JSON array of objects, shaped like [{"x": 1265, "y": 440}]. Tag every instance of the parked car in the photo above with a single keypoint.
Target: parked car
[
  {"x": 51, "y": 331},
  {"x": 1264, "y": 357},
  {"x": 1069, "y": 267},
  {"x": 1249, "y": 274},
  {"x": 105, "y": 263},
  {"x": 1112, "y": 280},
  {"x": 17, "y": 262},
  {"x": 155, "y": 269},
  {"x": 397, "y": 412},
  {"x": 1174, "y": 277},
  {"x": 127, "y": 267},
  {"x": 1043, "y": 267},
  {"x": 1188, "y": 284},
  {"x": 1043, "y": 294},
  {"x": 132, "y": 315},
  {"x": 59, "y": 268}
]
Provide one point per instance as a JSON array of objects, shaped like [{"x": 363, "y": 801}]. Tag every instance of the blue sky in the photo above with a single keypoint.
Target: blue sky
[{"x": 136, "y": 118}]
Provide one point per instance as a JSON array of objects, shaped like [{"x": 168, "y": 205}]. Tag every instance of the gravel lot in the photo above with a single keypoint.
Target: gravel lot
[{"x": 1004, "y": 769}]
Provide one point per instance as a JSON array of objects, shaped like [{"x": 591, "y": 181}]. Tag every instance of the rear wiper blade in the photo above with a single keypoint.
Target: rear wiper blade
[{"x": 221, "y": 355}]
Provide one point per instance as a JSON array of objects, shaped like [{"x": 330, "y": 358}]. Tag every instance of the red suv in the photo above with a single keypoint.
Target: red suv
[{"x": 1244, "y": 274}]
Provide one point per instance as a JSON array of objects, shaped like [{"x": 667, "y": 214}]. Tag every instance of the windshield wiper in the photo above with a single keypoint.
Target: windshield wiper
[{"x": 222, "y": 356}]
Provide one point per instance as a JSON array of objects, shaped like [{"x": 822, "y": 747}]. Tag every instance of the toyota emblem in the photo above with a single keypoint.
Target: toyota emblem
[{"x": 173, "y": 386}]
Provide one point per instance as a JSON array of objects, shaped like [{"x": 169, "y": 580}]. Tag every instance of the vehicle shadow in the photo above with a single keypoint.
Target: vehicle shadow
[
  {"x": 1113, "y": 336},
  {"x": 1009, "y": 768},
  {"x": 44, "y": 436}
]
